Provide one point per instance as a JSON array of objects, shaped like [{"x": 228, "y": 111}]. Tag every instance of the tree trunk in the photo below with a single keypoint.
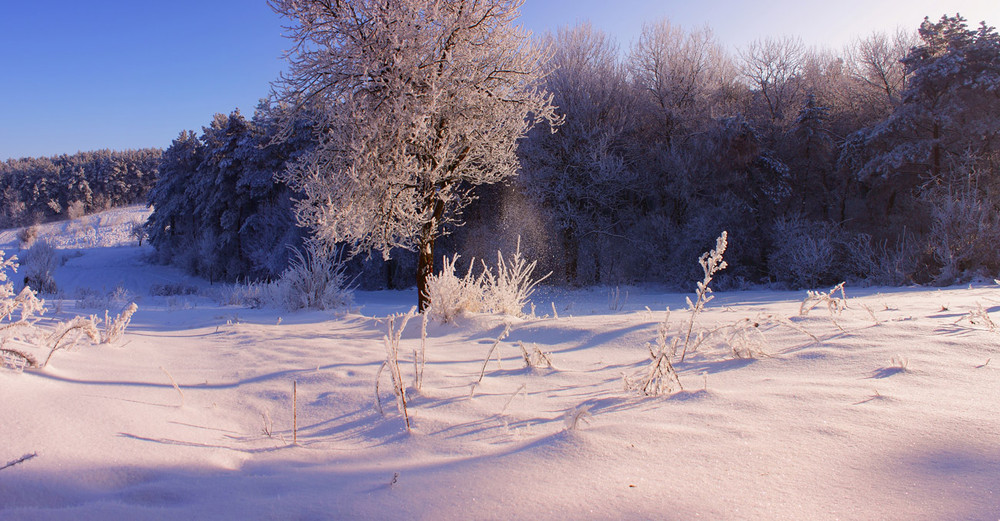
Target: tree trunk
[
  {"x": 936, "y": 154},
  {"x": 425, "y": 268},
  {"x": 390, "y": 273},
  {"x": 570, "y": 251},
  {"x": 425, "y": 255}
]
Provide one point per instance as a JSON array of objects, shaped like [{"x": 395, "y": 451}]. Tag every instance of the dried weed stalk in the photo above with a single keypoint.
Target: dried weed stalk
[
  {"x": 711, "y": 263},
  {"x": 391, "y": 341},
  {"x": 489, "y": 354},
  {"x": 833, "y": 303},
  {"x": 979, "y": 317}
]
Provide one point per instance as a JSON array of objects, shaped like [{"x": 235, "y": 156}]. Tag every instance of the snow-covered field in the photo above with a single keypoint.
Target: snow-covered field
[{"x": 891, "y": 414}]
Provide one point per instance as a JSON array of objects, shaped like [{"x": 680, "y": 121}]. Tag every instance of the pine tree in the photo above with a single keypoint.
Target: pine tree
[{"x": 172, "y": 225}]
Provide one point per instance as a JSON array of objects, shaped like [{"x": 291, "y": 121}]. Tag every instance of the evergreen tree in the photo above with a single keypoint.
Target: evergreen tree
[{"x": 172, "y": 226}]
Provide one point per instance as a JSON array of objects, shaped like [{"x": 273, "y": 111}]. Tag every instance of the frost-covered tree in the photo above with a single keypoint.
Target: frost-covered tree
[
  {"x": 876, "y": 63},
  {"x": 418, "y": 100},
  {"x": 940, "y": 144},
  {"x": 579, "y": 174},
  {"x": 685, "y": 77},
  {"x": 810, "y": 149},
  {"x": 38, "y": 189},
  {"x": 773, "y": 68},
  {"x": 218, "y": 211},
  {"x": 219, "y": 201},
  {"x": 954, "y": 91},
  {"x": 950, "y": 107},
  {"x": 172, "y": 224}
]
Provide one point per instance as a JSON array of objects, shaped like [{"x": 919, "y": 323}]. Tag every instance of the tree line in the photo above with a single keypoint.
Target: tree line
[
  {"x": 34, "y": 190},
  {"x": 880, "y": 162},
  {"x": 877, "y": 163}
]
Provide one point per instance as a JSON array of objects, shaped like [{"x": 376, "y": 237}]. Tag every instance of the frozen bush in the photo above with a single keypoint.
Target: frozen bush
[
  {"x": 90, "y": 298},
  {"x": 76, "y": 210},
  {"x": 171, "y": 289},
  {"x": 963, "y": 237},
  {"x": 8, "y": 301},
  {"x": 573, "y": 417},
  {"x": 39, "y": 264},
  {"x": 711, "y": 263},
  {"x": 18, "y": 338},
  {"x": 451, "y": 295},
  {"x": 12, "y": 213},
  {"x": 119, "y": 296},
  {"x": 506, "y": 291},
  {"x": 23, "y": 342},
  {"x": 391, "y": 341},
  {"x": 834, "y": 304},
  {"x": 804, "y": 252},
  {"x": 880, "y": 263},
  {"x": 68, "y": 334},
  {"x": 252, "y": 295},
  {"x": 175, "y": 303},
  {"x": 534, "y": 358},
  {"x": 314, "y": 280},
  {"x": 114, "y": 328},
  {"x": 660, "y": 377},
  {"x": 509, "y": 290},
  {"x": 27, "y": 236},
  {"x": 137, "y": 230}
]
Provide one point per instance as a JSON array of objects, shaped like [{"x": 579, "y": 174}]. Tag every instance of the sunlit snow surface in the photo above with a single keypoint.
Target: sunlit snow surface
[{"x": 834, "y": 429}]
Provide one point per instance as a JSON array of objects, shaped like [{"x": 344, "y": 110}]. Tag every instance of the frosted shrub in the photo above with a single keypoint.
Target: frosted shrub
[
  {"x": 17, "y": 337},
  {"x": 76, "y": 210},
  {"x": 745, "y": 338},
  {"x": 489, "y": 354},
  {"x": 979, "y": 317},
  {"x": 90, "y": 298},
  {"x": 660, "y": 377},
  {"x": 963, "y": 236},
  {"x": 534, "y": 358},
  {"x": 253, "y": 295},
  {"x": 23, "y": 342},
  {"x": 834, "y": 304},
  {"x": 27, "y": 236},
  {"x": 879, "y": 263},
  {"x": 573, "y": 417},
  {"x": 26, "y": 302},
  {"x": 804, "y": 253},
  {"x": 68, "y": 334},
  {"x": 39, "y": 263},
  {"x": 137, "y": 230},
  {"x": 451, "y": 295},
  {"x": 114, "y": 329},
  {"x": 315, "y": 280},
  {"x": 509, "y": 290},
  {"x": 391, "y": 341},
  {"x": 172, "y": 289}
]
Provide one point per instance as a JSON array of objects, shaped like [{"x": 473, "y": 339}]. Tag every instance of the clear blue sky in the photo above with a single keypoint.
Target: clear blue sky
[{"x": 84, "y": 75}]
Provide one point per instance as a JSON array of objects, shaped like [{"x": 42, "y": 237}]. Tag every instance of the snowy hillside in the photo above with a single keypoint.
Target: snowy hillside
[{"x": 885, "y": 410}]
